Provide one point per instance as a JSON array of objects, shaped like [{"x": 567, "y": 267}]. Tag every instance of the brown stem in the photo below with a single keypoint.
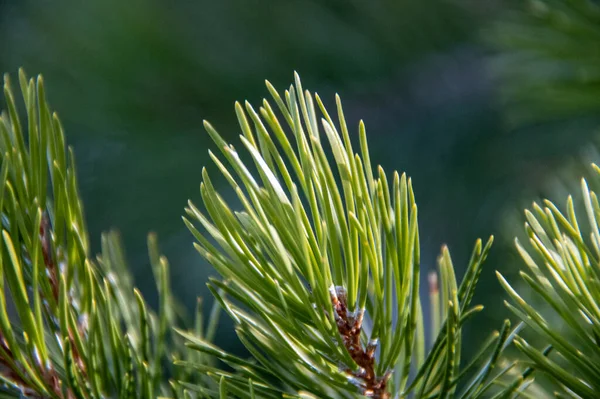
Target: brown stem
[{"x": 350, "y": 327}]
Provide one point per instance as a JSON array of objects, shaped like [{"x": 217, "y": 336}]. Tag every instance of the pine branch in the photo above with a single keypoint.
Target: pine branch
[
  {"x": 79, "y": 329},
  {"x": 320, "y": 268},
  {"x": 562, "y": 270}
]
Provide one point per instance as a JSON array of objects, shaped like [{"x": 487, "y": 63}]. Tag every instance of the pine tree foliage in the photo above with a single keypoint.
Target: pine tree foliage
[
  {"x": 562, "y": 268},
  {"x": 549, "y": 57},
  {"x": 320, "y": 267},
  {"x": 71, "y": 325}
]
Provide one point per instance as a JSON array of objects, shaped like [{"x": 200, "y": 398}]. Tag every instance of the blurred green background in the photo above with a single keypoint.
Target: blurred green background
[{"x": 436, "y": 82}]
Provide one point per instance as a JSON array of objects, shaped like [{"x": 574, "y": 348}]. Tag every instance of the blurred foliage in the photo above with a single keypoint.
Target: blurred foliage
[
  {"x": 550, "y": 59},
  {"x": 159, "y": 66}
]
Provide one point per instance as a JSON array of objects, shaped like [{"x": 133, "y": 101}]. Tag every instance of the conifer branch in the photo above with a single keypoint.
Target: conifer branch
[
  {"x": 320, "y": 265},
  {"x": 561, "y": 260},
  {"x": 71, "y": 326}
]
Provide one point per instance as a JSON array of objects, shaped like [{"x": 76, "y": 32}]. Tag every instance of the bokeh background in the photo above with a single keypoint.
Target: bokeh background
[{"x": 467, "y": 97}]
